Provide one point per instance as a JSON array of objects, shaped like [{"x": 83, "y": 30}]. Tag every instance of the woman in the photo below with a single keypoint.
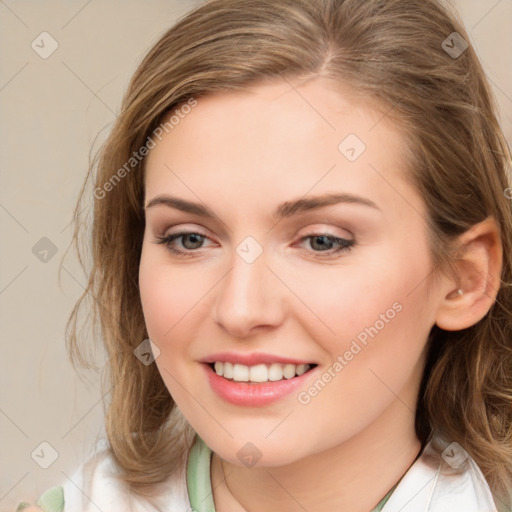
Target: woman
[{"x": 303, "y": 205}]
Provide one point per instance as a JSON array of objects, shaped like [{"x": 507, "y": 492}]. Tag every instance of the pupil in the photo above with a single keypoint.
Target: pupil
[
  {"x": 195, "y": 240},
  {"x": 323, "y": 243}
]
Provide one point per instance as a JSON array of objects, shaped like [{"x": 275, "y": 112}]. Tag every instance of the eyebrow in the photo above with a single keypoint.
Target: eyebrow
[{"x": 284, "y": 210}]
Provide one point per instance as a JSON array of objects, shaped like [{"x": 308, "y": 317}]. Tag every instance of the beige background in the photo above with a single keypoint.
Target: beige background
[{"x": 52, "y": 110}]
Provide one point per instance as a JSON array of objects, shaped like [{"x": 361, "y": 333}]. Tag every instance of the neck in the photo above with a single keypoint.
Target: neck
[{"x": 354, "y": 475}]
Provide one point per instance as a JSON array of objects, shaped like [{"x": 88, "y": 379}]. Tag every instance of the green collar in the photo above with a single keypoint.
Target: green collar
[{"x": 199, "y": 484}]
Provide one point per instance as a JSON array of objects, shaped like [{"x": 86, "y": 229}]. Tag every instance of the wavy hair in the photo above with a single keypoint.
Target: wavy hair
[{"x": 392, "y": 51}]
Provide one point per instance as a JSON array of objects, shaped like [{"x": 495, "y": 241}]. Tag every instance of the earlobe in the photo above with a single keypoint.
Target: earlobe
[{"x": 478, "y": 272}]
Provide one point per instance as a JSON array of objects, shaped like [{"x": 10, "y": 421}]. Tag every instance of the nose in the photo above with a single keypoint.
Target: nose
[{"x": 250, "y": 298}]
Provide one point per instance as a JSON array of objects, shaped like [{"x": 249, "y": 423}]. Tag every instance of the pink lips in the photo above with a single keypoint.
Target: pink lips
[{"x": 252, "y": 394}]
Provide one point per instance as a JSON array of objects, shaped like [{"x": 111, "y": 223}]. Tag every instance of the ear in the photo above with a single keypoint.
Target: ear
[{"x": 478, "y": 271}]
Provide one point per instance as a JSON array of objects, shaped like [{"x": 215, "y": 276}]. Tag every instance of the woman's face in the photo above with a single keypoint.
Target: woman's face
[{"x": 304, "y": 246}]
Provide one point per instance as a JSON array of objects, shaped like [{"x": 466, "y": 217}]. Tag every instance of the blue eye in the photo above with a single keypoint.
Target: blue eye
[
  {"x": 195, "y": 239},
  {"x": 323, "y": 244},
  {"x": 328, "y": 243}
]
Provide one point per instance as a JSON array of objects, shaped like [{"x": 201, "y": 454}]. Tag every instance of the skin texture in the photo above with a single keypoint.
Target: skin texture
[{"x": 241, "y": 155}]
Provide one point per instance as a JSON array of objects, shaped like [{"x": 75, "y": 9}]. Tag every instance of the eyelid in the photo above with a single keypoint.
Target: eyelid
[
  {"x": 183, "y": 229},
  {"x": 328, "y": 231},
  {"x": 186, "y": 229}
]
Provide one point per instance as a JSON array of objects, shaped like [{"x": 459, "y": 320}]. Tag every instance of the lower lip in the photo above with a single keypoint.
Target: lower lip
[{"x": 253, "y": 394}]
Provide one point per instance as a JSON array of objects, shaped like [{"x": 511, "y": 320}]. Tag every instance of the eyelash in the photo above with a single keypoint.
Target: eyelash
[{"x": 168, "y": 241}]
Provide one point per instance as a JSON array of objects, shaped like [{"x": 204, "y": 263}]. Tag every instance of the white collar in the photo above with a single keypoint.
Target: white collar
[{"x": 433, "y": 485}]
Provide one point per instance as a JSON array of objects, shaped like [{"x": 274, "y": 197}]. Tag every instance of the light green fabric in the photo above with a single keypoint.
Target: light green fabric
[
  {"x": 198, "y": 477},
  {"x": 51, "y": 501},
  {"x": 199, "y": 484}
]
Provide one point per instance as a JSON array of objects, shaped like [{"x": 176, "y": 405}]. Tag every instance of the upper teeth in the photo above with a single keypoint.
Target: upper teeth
[{"x": 259, "y": 372}]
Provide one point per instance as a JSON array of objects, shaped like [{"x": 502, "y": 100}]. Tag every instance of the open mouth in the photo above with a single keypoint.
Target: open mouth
[{"x": 259, "y": 373}]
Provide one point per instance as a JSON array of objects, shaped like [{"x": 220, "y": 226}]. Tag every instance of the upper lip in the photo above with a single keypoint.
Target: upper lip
[{"x": 251, "y": 359}]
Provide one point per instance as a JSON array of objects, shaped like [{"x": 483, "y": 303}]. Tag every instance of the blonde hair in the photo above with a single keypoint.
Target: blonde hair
[{"x": 392, "y": 51}]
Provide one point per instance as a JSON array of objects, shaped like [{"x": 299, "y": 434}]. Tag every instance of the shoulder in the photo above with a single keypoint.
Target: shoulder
[
  {"x": 444, "y": 478},
  {"x": 96, "y": 485}
]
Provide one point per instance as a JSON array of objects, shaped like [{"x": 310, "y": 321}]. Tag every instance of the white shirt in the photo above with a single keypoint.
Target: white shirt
[{"x": 434, "y": 483}]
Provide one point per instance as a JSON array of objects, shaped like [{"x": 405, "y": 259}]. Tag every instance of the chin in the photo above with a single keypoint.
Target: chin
[{"x": 256, "y": 451}]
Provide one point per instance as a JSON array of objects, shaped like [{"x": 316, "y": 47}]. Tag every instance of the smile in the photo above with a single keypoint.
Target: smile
[
  {"x": 259, "y": 373},
  {"x": 259, "y": 384}
]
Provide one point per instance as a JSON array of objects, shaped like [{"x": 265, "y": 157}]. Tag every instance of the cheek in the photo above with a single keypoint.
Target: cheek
[
  {"x": 347, "y": 303},
  {"x": 156, "y": 296},
  {"x": 168, "y": 297},
  {"x": 175, "y": 303},
  {"x": 375, "y": 356},
  {"x": 167, "y": 294},
  {"x": 372, "y": 323}
]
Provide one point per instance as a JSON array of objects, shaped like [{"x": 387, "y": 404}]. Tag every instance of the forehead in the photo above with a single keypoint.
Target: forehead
[{"x": 280, "y": 139}]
